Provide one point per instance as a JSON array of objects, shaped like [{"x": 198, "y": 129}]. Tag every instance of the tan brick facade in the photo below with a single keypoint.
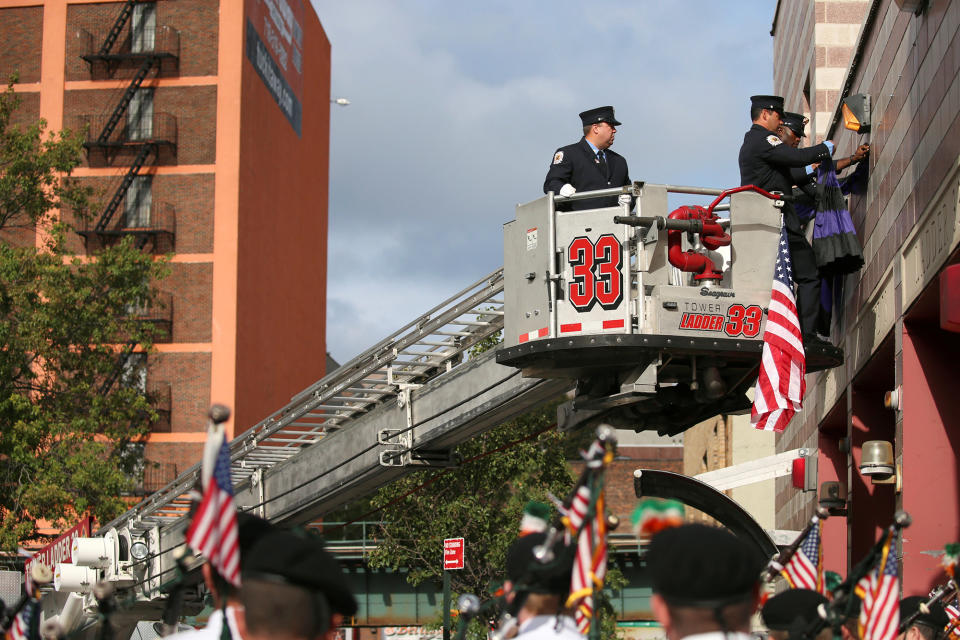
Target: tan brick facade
[
  {"x": 888, "y": 322},
  {"x": 228, "y": 263}
]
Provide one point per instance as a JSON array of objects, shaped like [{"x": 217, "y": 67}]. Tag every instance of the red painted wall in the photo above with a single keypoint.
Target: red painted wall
[
  {"x": 931, "y": 445},
  {"x": 282, "y": 246}
]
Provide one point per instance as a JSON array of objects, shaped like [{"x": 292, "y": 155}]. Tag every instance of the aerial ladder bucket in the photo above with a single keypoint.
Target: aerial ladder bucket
[{"x": 658, "y": 316}]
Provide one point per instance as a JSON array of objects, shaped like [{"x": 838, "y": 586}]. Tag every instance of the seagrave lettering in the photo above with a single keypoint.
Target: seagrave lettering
[{"x": 717, "y": 293}]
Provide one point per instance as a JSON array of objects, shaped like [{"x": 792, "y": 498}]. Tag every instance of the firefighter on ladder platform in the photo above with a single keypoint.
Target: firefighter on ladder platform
[{"x": 765, "y": 161}]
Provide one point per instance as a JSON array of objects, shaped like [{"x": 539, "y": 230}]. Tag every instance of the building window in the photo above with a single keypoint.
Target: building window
[
  {"x": 134, "y": 373},
  {"x": 140, "y": 115},
  {"x": 143, "y": 27},
  {"x": 139, "y": 201}
]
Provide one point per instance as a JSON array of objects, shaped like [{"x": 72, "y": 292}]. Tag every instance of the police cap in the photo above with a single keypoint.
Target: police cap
[
  {"x": 696, "y": 565},
  {"x": 937, "y": 618},
  {"x": 299, "y": 558},
  {"x": 782, "y": 611},
  {"x": 773, "y": 103},
  {"x": 600, "y": 114},
  {"x": 528, "y": 573},
  {"x": 795, "y": 122}
]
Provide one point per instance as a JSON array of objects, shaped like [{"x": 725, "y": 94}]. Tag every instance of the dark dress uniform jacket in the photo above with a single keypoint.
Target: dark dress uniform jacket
[
  {"x": 766, "y": 162},
  {"x": 578, "y": 165}
]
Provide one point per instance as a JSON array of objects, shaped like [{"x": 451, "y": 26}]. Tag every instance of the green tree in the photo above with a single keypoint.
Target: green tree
[
  {"x": 67, "y": 421},
  {"x": 482, "y": 501}
]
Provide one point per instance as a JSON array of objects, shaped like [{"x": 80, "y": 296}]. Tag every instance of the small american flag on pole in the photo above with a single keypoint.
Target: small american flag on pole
[
  {"x": 781, "y": 385},
  {"x": 213, "y": 530},
  {"x": 24, "y": 625},
  {"x": 953, "y": 613},
  {"x": 805, "y": 568},
  {"x": 590, "y": 527},
  {"x": 880, "y": 611}
]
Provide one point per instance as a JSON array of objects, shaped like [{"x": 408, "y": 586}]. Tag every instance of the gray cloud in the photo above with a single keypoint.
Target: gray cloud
[{"x": 457, "y": 109}]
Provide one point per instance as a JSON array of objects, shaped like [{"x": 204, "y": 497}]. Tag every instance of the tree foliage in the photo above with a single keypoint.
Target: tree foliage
[
  {"x": 65, "y": 323},
  {"x": 481, "y": 501}
]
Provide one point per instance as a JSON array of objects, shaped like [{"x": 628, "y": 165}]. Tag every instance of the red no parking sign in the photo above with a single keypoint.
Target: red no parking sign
[{"x": 452, "y": 553}]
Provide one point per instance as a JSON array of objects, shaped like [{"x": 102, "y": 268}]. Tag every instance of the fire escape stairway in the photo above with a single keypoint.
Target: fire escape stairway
[
  {"x": 117, "y": 27},
  {"x": 121, "y": 191},
  {"x": 126, "y": 98},
  {"x": 118, "y": 368}
]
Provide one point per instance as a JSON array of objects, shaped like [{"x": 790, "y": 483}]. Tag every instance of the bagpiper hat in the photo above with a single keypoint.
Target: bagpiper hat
[
  {"x": 299, "y": 558},
  {"x": 773, "y": 103},
  {"x": 785, "y": 610},
  {"x": 937, "y": 618},
  {"x": 696, "y": 565},
  {"x": 549, "y": 574},
  {"x": 600, "y": 114}
]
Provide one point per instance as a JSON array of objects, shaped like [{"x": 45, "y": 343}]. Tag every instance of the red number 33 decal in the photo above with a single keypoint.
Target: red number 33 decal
[{"x": 597, "y": 275}]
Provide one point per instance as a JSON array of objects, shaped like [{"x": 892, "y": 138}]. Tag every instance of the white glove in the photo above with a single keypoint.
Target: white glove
[
  {"x": 567, "y": 190},
  {"x": 624, "y": 199}
]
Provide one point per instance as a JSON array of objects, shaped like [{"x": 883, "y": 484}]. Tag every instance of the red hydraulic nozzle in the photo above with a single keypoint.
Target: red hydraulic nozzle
[{"x": 712, "y": 236}]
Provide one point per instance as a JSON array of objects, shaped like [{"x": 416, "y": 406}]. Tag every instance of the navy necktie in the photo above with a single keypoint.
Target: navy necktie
[{"x": 602, "y": 161}]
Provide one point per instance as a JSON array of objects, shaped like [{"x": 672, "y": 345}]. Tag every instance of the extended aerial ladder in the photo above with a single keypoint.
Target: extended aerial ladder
[{"x": 648, "y": 333}]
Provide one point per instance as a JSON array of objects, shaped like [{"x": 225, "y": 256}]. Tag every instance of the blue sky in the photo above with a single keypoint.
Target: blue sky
[{"x": 456, "y": 110}]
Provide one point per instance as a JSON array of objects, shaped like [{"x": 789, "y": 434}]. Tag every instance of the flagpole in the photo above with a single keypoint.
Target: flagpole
[
  {"x": 777, "y": 563},
  {"x": 941, "y": 593}
]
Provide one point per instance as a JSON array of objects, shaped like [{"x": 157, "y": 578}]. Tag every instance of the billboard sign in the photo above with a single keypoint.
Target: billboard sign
[{"x": 275, "y": 49}]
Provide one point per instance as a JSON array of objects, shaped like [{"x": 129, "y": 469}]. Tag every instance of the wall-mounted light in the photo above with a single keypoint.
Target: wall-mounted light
[
  {"x": 893, "y": 399},
  {"x": 856, "y": 112},
  {"x": 833, "y": 498},
  {"x": 876, "y": 461}
]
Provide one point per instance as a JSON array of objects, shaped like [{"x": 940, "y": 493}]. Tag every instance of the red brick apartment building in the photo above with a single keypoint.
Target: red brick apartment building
[
  {"x": 894, "y": 322},
  {"x": 208, "y": 135}
]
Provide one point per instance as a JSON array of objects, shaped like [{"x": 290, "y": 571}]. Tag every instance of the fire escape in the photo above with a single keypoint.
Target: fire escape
[{"x": 131, "y": 135}]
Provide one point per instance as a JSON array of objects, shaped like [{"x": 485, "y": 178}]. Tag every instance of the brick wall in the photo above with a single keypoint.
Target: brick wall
[
  {"x": 181, "y": 455},
  {"x": 812, "y": 48},
  {"x": 194, "y": 108},
  {"x": 189, "y": 377},
  {"x": 21, "y": 31},
  {"x": 910, "y": 66},
  {"x": 620, "y": 495},
  {"x": 190, "y": 196},
  {"x": 911, "y": 69},
  {"x": 195, "y": 24},
  {"x": 191, "y": 285}
]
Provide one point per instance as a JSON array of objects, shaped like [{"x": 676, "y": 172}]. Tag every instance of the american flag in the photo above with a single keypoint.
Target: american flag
[
  {"x": 805, "y": 569},
  {"x": 880, "y": 610},
  {"x": 781, "y": 385},
  {"x": 590, "y": 564},
  {"x": 20, "y": 628},
  {"x": 953, "y": 613},
  {"x": 213, "y": 530}
]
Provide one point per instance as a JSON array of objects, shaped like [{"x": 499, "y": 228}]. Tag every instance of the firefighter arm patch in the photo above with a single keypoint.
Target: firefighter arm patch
[
  {"x": 774, "y": 140},
  {"x": 558, "y": 157}
]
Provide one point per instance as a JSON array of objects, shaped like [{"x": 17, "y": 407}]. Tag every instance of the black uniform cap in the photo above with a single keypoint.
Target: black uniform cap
[
  {"x": 250, "y": 529},
  {"x": 773, "y": 103},
  {"x": 299, "y": 558},
  {"x": 795, "y": 122},
  {"x": 937, "y": 618},
  {"x": 600, "y": 114},
  {"x": 782, "y": 611},
  {"x": 699, "y": 566},
  {"x": 530, "y": 574}
]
